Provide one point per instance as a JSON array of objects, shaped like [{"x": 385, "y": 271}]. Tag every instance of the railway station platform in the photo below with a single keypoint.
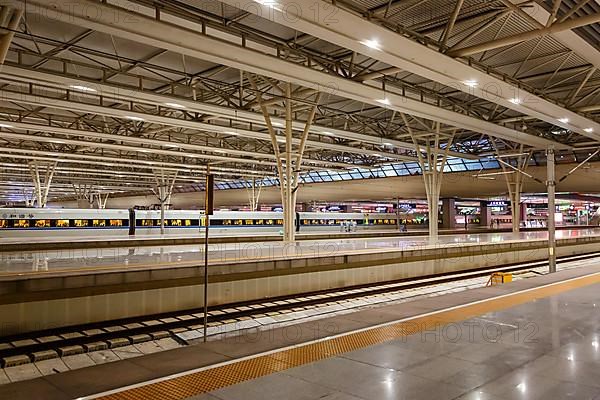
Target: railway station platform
[
  {"x": 59, "y": 242},
  {"x": 45, "y": 290},
  {"x": 530, "y": 339}
]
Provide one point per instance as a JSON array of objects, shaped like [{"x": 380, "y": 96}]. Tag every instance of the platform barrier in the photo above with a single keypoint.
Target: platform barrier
[{"x": 29, "y": 303}]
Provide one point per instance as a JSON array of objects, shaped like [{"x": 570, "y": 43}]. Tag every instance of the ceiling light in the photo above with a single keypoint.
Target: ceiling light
[
  {"x": 82, "y": 88},
  {"x": 268, "y": 3},
  {"x": 134, "y": 118},
  {"x": 563, "y": 120},
  {"x": 589, "y": 130},
  {"x": 371, "y": 43},
  {"x": 376, "y": 155},
  {"x": 6, "y": 126},
  {"x": 277, "y": 124},
  {"x": 387, "y": 144},
  {"x": 385, "y": 101},
  {"x": 515, "y": 100},
  {"x": 327, "y": 133},
  {"x": 231, "y": 133},
  {"x": 174, "y": 105},
  {"x": 471, "y": 83}
]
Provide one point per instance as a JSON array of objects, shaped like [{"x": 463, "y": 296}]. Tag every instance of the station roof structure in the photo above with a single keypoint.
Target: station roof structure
[{"x": 114, "y": 91}]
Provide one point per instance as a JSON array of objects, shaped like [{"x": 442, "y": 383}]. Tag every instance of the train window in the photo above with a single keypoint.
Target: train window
[
  {"x": 116, "y": 222},
  {"x": 42, "y": 223},
  {"x": 145, "y": 222},
  {"x": 62, "y": 223},
  {"x": 279, "y": 222},
  {"x": 175, "y": 222},
  {"x": 249, "y": 222},
  {"x": 238, "y": 222},
  {"x": 3, "y": 223},
  {"x": 21, "y": 223},
  {"x": 226, "y": 222},
  {"x": 98, "y": 223},
  {"x": 269, "y": 222},
  {"x": 81, "y": 223},
  {"x": 187, "y": 222},
  {"x": 259, "y": 222},
  {"x": 194, "y": 222}
]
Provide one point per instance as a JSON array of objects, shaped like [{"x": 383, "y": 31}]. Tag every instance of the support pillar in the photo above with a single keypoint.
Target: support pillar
[
  {"x": 85, "y": 195},
  {"x": 485, "y": 214},
  {"x": 432, "y": 154},
  {"x": 449, "y": 213},
  {"x": 551, "y": 209},
  {"x": 514, "y": 181},
  {"x": 41, "y": 174},
  {"x": 254, "y": 194},
  {"x": 288, "y": 163},
  {"x": 101, "y": 200},
  {"x": 164, "y": 189}
]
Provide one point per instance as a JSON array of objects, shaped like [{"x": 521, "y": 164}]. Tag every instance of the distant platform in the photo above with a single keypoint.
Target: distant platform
[
  {"x": 133, "y": 257},
  {"x": 58, "y": 242}
]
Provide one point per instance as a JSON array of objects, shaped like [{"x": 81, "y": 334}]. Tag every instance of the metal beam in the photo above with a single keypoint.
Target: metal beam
[
  {"x": 358, "y": 34},
  {"x": 522, "y": 37},
  {"x": 26, "y": 76},
  {"x": 39, "y": 101},
  {"x": 160, "y": 34}
]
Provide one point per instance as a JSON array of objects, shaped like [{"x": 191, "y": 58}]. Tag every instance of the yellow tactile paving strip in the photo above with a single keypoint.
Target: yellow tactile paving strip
[{"x": 210, "y": 379}]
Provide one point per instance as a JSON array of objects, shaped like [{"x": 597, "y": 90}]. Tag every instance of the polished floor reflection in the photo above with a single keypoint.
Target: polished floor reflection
[
  {"x": 124, "y": 257},
  {"x": 545, "y": 349}
]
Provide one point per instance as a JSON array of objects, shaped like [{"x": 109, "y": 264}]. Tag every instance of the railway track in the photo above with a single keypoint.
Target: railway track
[{"x": 41, "y": 345}]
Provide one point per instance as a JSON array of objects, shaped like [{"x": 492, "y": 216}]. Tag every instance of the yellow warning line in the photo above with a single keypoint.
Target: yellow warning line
[{"x": 215, "y": 377}]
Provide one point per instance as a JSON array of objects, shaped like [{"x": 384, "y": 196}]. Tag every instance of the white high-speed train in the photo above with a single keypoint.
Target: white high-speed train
[{"x": 22, "y": 222}]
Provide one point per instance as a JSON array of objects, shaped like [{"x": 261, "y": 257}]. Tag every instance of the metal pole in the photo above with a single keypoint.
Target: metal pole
[
  {"x": 208, "y": 210},
  {"x": 207, "y": 222},
  {"x": 398, "y": 213},
  {"x": 551, "y": 210}
]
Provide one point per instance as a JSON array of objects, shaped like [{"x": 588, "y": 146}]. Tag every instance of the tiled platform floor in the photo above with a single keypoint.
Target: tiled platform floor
[{"x": 545, "y": 349}]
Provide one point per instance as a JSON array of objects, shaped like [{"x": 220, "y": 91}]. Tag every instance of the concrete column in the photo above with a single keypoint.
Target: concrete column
[
  {"x": 523, "y": 213},
  {"x": 551, "y": 209},
  {"x": 448, "y": 213},
  {"x": 41, "y": 175},
  {"x": 164, "y": 189},
  {"x": 485, "y": 214}
]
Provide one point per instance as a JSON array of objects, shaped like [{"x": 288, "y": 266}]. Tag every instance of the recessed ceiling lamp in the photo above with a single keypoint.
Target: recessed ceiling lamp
[
  {"x": 515, "y": 100},
  {"x": 82, "y": 88},
  {"x": 589, "y": 130},
  {"x": 6, "y": 126},
  {"x": 133, "y": 118},
  {"x": 385, "y": 101},
  {"x": 174, "y": 105},
  {"x": 471, "y": 83},
  {"x": 563, "y": 120},
  {"x": 327, "y": 133},
  {"x": 372, "y": 44}
]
